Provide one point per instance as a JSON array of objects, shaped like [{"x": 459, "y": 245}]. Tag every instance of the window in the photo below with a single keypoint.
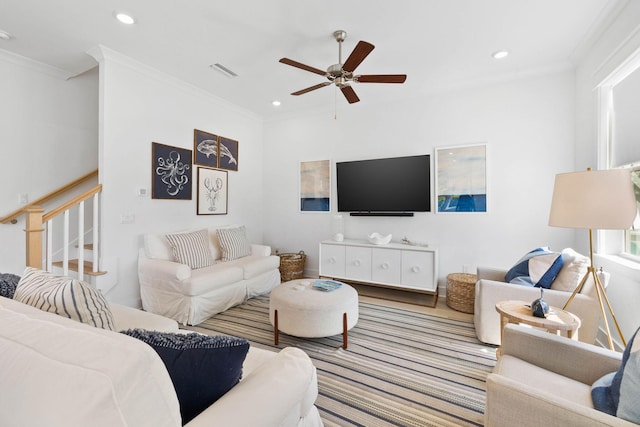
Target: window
[{"x": 619, "y": 141}]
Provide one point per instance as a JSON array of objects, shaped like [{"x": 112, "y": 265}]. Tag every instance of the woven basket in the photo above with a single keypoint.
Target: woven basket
[
  {"x": 461, "y": 291},
  {"x": 292, "y": 266}
]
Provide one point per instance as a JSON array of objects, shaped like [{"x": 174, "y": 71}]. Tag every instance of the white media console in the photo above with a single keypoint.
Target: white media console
[{"x": 395, "y": 265}]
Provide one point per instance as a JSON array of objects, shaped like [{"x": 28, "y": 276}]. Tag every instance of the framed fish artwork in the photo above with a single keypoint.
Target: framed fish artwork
[
  {"x": 227, "y": 154},
  {"x": 205, "y": 148}
]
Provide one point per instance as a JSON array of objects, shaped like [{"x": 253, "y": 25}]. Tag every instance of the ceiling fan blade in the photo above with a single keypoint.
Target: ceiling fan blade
[
  {"x": 309, "y": 89},
  {"x": 302, "y": 66},
  {"x": 350, "y": 94},
  {"x": 381, "y": 78},
  {"x": 361, "y": 51}
]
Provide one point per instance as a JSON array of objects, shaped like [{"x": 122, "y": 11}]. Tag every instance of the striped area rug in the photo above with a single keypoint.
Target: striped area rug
[{"x": 401, "y": 368}]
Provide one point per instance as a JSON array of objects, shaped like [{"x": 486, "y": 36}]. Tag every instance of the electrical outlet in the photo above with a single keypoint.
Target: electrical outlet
[
  {"x": 142, "y": 191},
  {"x": 465, "y": 268}
]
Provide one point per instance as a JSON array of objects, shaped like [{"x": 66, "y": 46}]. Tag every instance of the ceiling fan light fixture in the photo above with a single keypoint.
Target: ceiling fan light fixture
[
  {"x": 124, "y": 18},
  {"x": 500, "y": 54}
]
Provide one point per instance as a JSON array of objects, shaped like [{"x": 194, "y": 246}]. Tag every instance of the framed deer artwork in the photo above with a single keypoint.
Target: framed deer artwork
[{"x": 212, "y": 192}]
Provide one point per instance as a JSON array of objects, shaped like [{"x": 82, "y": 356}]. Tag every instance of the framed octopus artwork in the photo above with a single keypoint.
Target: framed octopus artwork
[
  {"x": 213, "y": 194},
  {"x": 171, "y": 172}
]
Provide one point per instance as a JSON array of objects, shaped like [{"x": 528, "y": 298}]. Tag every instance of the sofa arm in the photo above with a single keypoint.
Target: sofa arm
[
  {"x": 573, "y": 359},
  {"x": 160, "y": 273},
  {"x": 131, "y": 318},
  {"x": 510, "y": 404},
  {"x": 278, "y": 393},
  {"x": 261, "y": 250}
]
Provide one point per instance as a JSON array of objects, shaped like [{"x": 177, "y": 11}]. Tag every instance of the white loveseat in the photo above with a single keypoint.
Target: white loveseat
[
  {"x": 492, "y": 288},
  {"x": 190, "y": 296},
  {"x": 59, "y": 372}
]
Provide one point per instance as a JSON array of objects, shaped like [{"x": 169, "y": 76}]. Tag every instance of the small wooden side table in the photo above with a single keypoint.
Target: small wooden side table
[{"x": 557, "y": 320}]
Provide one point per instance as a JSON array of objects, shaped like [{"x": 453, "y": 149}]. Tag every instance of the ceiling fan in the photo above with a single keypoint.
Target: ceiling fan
[{"x": 342, "y": 74}]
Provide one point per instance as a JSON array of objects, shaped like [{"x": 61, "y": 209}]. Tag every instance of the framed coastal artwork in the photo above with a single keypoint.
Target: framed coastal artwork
[
  {"x": 212, "y": 192},
  {"x": 205, "y": 148},
  {"x": 315, "y": 186},
  {"x": 227, "y": 154},
  {"x": 461, "y": 179},
  {"x": 171, "y": 175}
]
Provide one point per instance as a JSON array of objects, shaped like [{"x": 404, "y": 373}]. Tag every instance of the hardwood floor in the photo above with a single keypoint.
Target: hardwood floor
[{"x": 441, "y": 309}]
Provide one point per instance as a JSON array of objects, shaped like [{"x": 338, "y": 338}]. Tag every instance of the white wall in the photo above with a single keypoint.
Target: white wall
[
  {"x": 528, "y": 126},
  {"x": 48, "y": 137},
  {"x": 140, "y": 105},
  {"x": 614, "y": 46}
]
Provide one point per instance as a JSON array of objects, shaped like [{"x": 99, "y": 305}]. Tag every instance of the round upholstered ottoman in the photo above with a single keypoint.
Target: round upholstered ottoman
[{"x": 297, "y": 309}]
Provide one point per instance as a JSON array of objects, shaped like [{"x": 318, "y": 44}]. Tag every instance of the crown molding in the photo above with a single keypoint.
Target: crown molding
[{"x": 40, "y": 67}]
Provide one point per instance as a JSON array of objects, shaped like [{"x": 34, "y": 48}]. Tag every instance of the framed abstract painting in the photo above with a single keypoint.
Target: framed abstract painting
[
  {"x": 315, "y": 186},
  {"x": 461, "y": 179}
]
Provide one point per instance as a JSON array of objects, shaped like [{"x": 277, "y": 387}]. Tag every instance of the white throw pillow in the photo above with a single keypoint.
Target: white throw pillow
[
  {"x": 65, "y": 296},
  {"x": 192, "y": 248},
  {"x": 574, "y": 267},
  {"x": 234, "y": 243}
]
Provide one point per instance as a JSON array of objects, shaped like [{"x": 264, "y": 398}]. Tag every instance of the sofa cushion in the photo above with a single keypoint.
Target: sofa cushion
[
  {"x": 617, "y": 392},
  {"x": 59, "y": 372},
  {"x": 574, "y": 267},
  {"x": 538, "y": 267},
  {"x": 8, "y": 283},
  {"x": 64, "y": 296},
  {"x": 191, "y": 248},
  {"x": 202, "y": 368},
  {"x": 233, "y": 243},
  {"x": 217, "y": 276},
  {"x": 255, "y": 265}
]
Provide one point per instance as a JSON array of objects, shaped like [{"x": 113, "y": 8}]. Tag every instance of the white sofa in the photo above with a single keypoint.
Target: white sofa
[
  {"x": 491, "y": 288},
  {"x": 191, "y": 296},
  {"x": 59, "y": 372},
  {"x": 545, "y": 380}
]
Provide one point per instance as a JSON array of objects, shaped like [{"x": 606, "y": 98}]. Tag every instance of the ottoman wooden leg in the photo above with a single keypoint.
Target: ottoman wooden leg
[
  {"x": 344, "y": 331},
  {"x": 275, "y": 327}
]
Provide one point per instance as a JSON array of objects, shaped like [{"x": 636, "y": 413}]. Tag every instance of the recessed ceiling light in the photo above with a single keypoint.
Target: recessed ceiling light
[
  {"x": 275, "y": 103},
  {"x": 125, "y": 18},
  {"x": 5, "y": 36},
  {"x": 500, "y": 54}
]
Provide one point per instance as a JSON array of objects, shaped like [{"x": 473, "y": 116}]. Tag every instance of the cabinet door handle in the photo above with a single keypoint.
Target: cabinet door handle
[
  {"x": 332, "y": 260},
  {"x": 385, "y": 265},
  {"x": 415, "y": 269},
  {"x": 357, "y": 263}
]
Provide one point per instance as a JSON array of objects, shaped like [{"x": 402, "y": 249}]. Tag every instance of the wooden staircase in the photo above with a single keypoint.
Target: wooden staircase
[{"x": 37, "y": 223}]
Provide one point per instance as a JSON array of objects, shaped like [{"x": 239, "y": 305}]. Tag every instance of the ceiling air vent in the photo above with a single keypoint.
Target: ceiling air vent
[{"x": 224, "y": 70}]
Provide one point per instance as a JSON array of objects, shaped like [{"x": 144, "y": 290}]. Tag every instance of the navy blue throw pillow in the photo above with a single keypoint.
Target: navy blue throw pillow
[
  {"x": 202, "y": 368},
  {"x": 536, "y": 268},
  {"x": 8, "y": 283}
]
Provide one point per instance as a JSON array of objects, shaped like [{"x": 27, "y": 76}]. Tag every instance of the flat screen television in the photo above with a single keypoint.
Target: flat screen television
[{"x": 390, "y": 186}]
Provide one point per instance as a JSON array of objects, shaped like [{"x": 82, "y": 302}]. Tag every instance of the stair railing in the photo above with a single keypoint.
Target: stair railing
[{"x": 37, "y": 222}]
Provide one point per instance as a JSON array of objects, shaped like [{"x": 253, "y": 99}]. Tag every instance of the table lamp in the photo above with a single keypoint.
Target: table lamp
[{"x": 602, "y": 199}]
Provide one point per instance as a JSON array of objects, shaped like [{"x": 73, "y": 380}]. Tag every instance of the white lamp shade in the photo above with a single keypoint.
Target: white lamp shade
[{"x": 601, "y": 199}]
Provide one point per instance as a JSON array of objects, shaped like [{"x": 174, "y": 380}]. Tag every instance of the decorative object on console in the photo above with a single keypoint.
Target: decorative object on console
[
  {"x": 315, "y": 186},
  {"x": 202, "y": 368},
  {"x": 205, "y": 148},
  {"x": 378, "y": 239},
  {"x": 65, "y": 296},
  {"x": 539, "y": 307},
  {"x": 171, "y": 172},
  {"x": 337, "y": 228},
  {"x": 601, "y": 199},
  {"x": 213, "y": 192},
  {"x": 461, "y": 178}
]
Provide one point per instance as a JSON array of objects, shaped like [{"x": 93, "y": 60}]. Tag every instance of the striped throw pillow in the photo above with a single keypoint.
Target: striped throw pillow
[
  {"x": 65, "y": 296},
  {"x": 192, "y": 248},
  {"x": 234, "y": 243}
]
